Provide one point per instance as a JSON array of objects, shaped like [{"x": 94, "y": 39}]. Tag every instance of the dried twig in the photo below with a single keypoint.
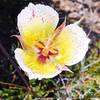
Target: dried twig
[
  {"x": 89, "y": 65},
  {"x": 65, "y": 87},
  {"x": 11, "y": 85}
]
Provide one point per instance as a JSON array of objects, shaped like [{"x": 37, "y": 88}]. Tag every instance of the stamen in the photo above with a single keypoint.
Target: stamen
[
  {"x": 40, "y": 45},
  {"x": 53, "y": 52}
]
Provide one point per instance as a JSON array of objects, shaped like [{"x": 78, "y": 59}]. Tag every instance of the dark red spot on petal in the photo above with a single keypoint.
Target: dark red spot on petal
[
  {"x": 33, "y": 14},
  {"x": 42, "y": 58}
]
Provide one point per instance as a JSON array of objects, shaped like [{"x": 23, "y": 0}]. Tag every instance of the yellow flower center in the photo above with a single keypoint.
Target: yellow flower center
[{"x": 45, "y": 52}]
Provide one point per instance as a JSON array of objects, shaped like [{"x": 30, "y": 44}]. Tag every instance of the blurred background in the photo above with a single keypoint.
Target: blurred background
[{"x": 60, "y": 85}]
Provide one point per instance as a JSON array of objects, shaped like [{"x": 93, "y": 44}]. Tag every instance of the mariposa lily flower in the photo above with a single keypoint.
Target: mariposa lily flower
[{"x": 46, "y": 48}]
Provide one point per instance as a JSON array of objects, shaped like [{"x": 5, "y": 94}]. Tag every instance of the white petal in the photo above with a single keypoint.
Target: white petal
[
  {"x": 72, "y": 44},
  {"x": 43, "y": 12},
  {"x": 81, "y": 42},
  {"x": 30, "y": 74}
]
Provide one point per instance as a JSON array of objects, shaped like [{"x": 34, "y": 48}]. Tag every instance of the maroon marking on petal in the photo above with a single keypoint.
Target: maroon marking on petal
[
  {"x": 42, "y": 59},
  {"x": 33, "y": 14}
]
